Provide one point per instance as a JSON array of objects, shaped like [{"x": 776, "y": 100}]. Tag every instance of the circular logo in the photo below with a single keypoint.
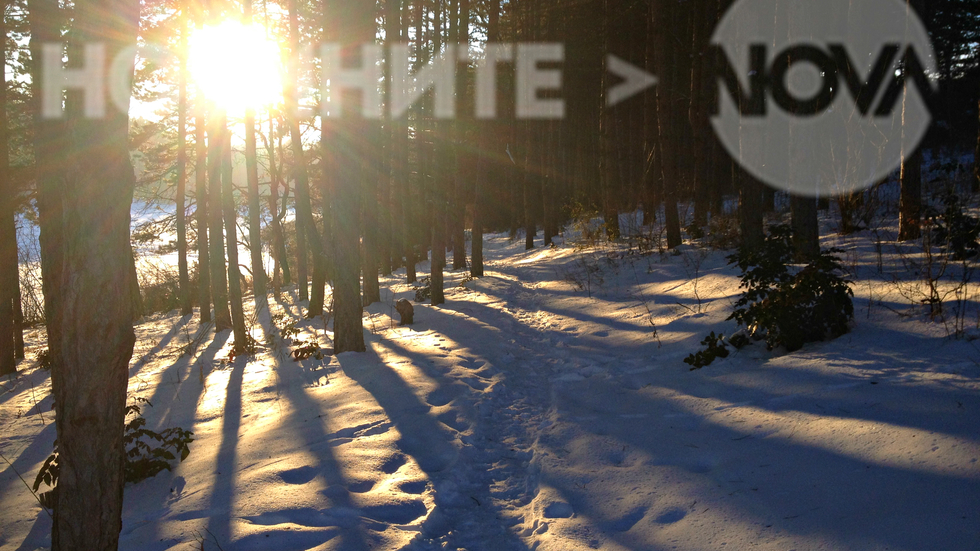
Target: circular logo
[{"x": 822, "y": 97}]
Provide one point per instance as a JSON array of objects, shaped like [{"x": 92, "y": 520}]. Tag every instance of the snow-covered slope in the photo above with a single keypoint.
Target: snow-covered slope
[{"x": 546, "y": 407}]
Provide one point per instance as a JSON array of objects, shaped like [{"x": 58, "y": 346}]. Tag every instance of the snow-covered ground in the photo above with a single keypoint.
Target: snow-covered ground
[{"x": 546, "y": 407}]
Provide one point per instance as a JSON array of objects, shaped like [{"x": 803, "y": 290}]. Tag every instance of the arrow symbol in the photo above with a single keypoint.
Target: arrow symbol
[{"x": 635, "y": 80}]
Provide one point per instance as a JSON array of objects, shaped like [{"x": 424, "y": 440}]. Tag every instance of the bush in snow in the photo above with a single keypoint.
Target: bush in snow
[
  {"x": 788, "y": 308},
  {"x": 147, "y": 452},
  {"x": 954, "y": 230},
  {"x": 716, "y": 348},
  {"x": 423, "y": 289}
]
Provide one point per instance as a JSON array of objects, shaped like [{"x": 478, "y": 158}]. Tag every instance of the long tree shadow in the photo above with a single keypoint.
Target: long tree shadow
[
  {"x": 179, "y": 388},
  {"x": 878, "y": 364},
  {"x": 776, "y": 481},
  {"x": 161, "y": 345},
  {"x": 335, "y": 521},
  {"x": 226, "y": 462},
  {"x": 429, "y": 442},
  {"x": 41, "y": 446},
  {"x": 890, "y": 484}
]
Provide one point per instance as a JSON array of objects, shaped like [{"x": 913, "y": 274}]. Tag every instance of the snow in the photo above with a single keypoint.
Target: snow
[{"x": 530, "y": 413}]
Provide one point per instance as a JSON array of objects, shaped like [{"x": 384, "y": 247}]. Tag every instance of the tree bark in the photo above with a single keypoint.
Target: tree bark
[
  {"x": 278, "y": 235},
  {"x": 750, "y": 211},
  {"x": 186, "y": 301},
  {"x": 231, "y": 241},
  {"x": 910, "y": 202},
  {"x": 86, "y": 249},
  {"x": 201, "y": 193},
  {"x": 9, "y": 280},
  {"x": 219, "y": 279},
  {"x": 307, "y": 235},
  {"x": 355, "y": 26},
  {"x": 806, "y": 231}
]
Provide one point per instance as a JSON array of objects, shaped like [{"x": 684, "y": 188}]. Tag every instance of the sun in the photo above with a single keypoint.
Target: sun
[{"x": 236, "y": 66}]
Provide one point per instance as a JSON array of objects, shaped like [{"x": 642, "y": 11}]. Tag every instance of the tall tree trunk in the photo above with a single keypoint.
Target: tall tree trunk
[
  {"x": 487, "y": 159},
  {"x": 414, "y": 204},
  {"x": 910, "y": 202},
  {"x": 306, "y": 231},
  {"x": 530, "y": 181},
  {"x": 86, "y": 241},
  {"x": 355, "y": 26},
  {"x": 806, "y": 231},
  {"x": 440, "y": 159},
  {"x": 975, "y": 187},
  {"x": 186, "y": 301},
  {"x": 9, "y": 280},
  {"x": 201, "y": 193},
  {"x": 50, "y": 147},
  {"x": 231, "y": 241},
  {"x": 750, "y": 211},
  {"x": 666, "y": 61},
  {"x": 371, "y": 218},
  {"x": 278, "y": 235},
  {"x": 458, "y": 204},
  {"x": 259, "y": 277},
  {"x": 219, "y": 279}
]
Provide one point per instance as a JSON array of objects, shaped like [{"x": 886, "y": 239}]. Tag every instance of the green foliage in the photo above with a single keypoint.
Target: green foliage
[
  {"x": 791, "y": 309},
  {"x": 286, "y": 325},
  {"x": 423, "y": 289},
  {"x": 954, "y": 230},
  {"x": 307, "y": 349},
  {"x": 147, "y": 452},
  {"x": 716, "y": 348},
  {"x": 145, "y": 458}
]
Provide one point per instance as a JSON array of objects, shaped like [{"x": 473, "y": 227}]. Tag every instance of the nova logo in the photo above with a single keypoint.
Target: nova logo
[{"x": 821, "y": 97}]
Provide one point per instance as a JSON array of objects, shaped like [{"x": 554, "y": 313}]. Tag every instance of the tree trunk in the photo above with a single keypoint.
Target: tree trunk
[
  {"x": 86, "y": 241},
  {"x": 371, "y": 219},
  {"x": 976, "y": 157},
  {"x": 458, "y": 215},
  {"x": 259, "y": 277},
  {"x": 910, "y": 202},
  {"x": 278, "y": 235},
  {"x": 355, "y": 26},
  {"x": 186, "y": 301},
  {"x": 750, "y": 211},
  {"x": 201, "y": 193},
  {"x": 306, "y": 232},
  {"x": 219, "y": 279},
  {"x": 231, "y": 240},
  {"x": 9, "y": 278},
  {"x": 806, "y": 231}
]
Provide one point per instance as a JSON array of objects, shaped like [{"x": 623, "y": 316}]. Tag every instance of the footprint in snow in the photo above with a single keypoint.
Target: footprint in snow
[
  {"x": 558, "y": 509},
  {"x": 450, "y": 419},
  {"x": 393, "y": 463},
  {"x": 629, "y": 520},
  {"x": 299, "y": 475},
  {"x": 414, "y": 487},
  {"x": 395, "y": 513},
  {"x": 476, "y": 384},
  {"x": 362, "y": 487},
  {"x": 671, "y": 515}
]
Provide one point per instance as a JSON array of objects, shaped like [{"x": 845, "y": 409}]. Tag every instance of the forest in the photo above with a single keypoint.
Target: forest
[{"x": 256, "y": 199}]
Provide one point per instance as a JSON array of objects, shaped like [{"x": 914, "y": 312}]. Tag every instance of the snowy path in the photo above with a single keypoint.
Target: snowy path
[{"x": 525, "y": 414}]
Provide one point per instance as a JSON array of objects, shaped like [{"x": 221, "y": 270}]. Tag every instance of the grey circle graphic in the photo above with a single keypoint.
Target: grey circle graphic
[{"x": 812, "y": 60}]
